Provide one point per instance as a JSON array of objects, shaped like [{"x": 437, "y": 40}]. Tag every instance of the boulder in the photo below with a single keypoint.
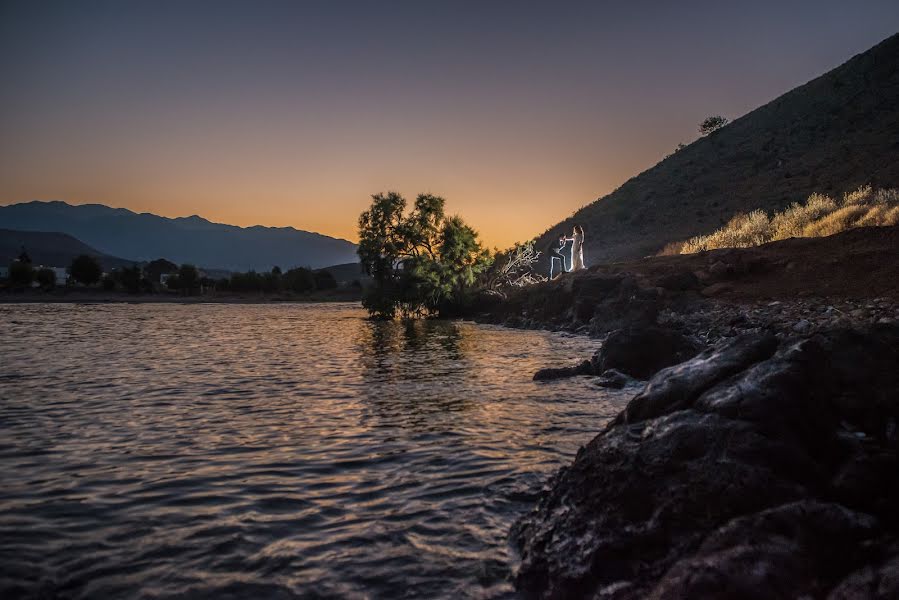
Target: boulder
[
  {"x": 585, "y": 368},
  {"x": 641, "y": 351},
  {"x": 614, "y": 379},
  {"x": 753, "y": 470},
  {"x": 628, "y": 305}
]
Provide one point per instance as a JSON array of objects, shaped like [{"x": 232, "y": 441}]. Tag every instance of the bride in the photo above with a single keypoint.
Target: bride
[{"x": 577, "y": 249}]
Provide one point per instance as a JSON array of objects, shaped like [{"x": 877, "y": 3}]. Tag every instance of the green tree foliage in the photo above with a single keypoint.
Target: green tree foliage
[
  {"x": 20, "y": 273},
  {"x": 85, "y": 269},
  {"x": 422, "y": 263},
  {"x": 46, "y": 278},
  {"x": 710, "y": 124}
]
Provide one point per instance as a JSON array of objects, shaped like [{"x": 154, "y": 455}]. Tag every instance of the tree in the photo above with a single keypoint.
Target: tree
[
  {"x": 158, "y": 267},
  {"x": 324, "y": 280},
  {"x": 20, "y": 273},
  {"x": 85, "y": 269},
  {"x": 421, "y": 264},
  {"x": 130, "y": 278},
  {"x": 45, "y": 277},
  {"x": 710, "y": 124},
  {"x": 299, "y": 280},
  {"x": 188, "y": 278}
]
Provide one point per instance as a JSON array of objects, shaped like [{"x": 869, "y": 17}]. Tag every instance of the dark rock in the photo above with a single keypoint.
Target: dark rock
[
  {"x": 585, "y": 368},
  {"x": 785, "y": 552},
  {"x": 746, "y": 472},
  {"x": 679, "y": 281},
  {"x": 676, "y": 387},
  {"x": 642, "y": 351},
  {"x": 719, "y": 269},
  {"x": 614, "y": 379},
  {"x": 629, "y": 305},
  {"x": 716, "y": 289},
  {"x": 879, "y": 582}
]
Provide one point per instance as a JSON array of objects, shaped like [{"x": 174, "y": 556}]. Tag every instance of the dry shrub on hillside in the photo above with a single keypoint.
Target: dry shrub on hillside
[
  {"x": 793, "y": 221},
  {"x": 819, "y": 216},
  {"x": 742, "y": 231}
]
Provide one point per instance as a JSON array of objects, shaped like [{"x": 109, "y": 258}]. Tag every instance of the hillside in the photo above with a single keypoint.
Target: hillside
[
  {"x": 347, "y": 273},
  {"x": 145, "y": 236},
  {"x": 831, "y": 135},
  {"x": 50, "y": 249}
]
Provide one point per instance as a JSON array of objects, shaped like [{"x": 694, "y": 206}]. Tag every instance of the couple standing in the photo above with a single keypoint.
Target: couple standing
[{"x": 577, "y": 252}]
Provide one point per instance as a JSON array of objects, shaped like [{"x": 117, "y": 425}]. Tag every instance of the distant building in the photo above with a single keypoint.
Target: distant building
[
  {"x": 62, "y": 275},
  {"x": 164, "y": 277},
  {"x": 4, "y": 272}
]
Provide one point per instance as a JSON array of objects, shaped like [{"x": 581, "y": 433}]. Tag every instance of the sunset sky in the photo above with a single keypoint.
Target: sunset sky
[{"x": 293, "y": 113}]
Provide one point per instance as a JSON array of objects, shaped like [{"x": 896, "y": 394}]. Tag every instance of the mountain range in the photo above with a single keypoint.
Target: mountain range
[
  {"x": 144, "y": 237},
  {"x": 831, "y": 135},
  {"x": 51, "y": 249}
]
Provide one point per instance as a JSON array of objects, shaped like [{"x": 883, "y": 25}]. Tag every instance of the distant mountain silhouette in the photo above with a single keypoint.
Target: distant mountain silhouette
[
  {"x": 51, "y": 249},
  {"x": 831, "y": 135},
  {"x": 348, "y": 273},
  {"x": 145, "y": 236}
]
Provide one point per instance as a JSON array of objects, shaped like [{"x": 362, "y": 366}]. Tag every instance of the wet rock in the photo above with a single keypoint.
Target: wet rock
[
  {"x": 677, "y": 386},
  {"x": 749, "y": 471},
  {"x": 584, "y": 368},
  {"x": 642, "y": 351},
  {"x": 614, "y": 379}
]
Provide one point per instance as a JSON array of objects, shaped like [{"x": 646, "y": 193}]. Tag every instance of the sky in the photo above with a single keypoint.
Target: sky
[{"x": 292, "y": 113}]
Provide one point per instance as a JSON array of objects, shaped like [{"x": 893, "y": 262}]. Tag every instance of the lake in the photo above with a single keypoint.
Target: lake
[{"x": 274, "y": 451}]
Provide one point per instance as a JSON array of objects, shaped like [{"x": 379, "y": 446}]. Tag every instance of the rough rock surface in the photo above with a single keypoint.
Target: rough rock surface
[
  {"x": 642, "y": 351},
  {"x": 762, "y": 469},
  {"x": 612, "y": 378},
  {"x": 584, "y": 368}
]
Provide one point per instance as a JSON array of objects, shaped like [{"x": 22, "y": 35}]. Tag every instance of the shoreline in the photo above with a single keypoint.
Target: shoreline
[
  {"x": 123, "y": 298},
  {"x": 760, "y": 447}
]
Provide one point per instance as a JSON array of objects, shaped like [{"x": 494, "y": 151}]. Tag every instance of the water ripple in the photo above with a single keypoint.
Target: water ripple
[{"x": 291, "y": 451}]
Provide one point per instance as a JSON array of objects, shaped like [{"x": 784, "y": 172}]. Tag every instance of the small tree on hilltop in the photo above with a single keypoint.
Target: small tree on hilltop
[
  {"x": 710, "y": 124},
  {"x": 85, "y": 269}
]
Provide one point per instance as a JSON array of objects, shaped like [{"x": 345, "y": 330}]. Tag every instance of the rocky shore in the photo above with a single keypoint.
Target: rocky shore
[
  {"x": 759, "y": 456},
  {"x": 760, "y": 468}
]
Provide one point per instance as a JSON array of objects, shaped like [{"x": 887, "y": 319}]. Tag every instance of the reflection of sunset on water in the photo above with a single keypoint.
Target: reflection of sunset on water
[{"x": 298, "y": 447}]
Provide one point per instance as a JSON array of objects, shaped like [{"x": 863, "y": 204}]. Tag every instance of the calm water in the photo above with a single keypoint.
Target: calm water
[{"x": 256, "y": 451}]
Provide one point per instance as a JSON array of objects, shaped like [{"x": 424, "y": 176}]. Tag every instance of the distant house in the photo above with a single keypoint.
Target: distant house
[
  {"x": 4, "y": 272},
  {"x": 62, "y": 275}
]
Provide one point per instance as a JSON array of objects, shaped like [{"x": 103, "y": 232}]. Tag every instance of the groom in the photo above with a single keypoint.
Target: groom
[{"x": 555, "y": 254}]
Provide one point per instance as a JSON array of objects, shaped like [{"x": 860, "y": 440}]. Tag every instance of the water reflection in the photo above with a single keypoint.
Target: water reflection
[{"x": 272, "y": 451}]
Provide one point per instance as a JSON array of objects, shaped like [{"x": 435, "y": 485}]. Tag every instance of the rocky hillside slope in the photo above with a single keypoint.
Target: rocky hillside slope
[{"x": 831, "y": 135}]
